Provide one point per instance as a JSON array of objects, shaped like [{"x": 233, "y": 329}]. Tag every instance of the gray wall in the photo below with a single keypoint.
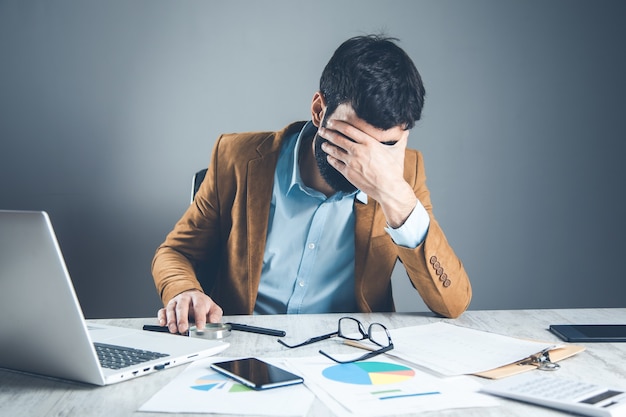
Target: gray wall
[{"x": 107, "y": 107}]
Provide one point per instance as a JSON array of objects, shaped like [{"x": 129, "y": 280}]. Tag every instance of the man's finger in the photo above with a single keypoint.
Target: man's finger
[
  {"x": 215, "y": 314},
  {"x": 199, "y": 313},
  {"x": 182, "y": 320},
  {"x": 170, "y": 316},
  {"x": 336, "y": 138},
  {"x": 348, "y": 132},
  {"x": 161, "y": 317}
]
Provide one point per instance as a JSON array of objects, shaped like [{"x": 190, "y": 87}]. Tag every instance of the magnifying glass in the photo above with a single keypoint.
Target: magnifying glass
[{"x": 211, "y": 331}]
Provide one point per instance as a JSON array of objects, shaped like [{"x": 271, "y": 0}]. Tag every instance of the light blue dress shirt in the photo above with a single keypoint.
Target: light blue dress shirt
[{"x": 308, "y": 265}]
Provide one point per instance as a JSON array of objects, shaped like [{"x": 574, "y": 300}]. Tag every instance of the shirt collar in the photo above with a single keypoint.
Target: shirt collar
[{"x": 296, "y": 180}]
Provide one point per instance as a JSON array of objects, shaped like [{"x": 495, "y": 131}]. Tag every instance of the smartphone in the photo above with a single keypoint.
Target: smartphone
[
  {"x": 590, "y": 332},
  {"x": 256, "y": 373}
]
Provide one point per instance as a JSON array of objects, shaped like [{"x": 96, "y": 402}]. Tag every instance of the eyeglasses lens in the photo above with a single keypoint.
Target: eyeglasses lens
[
  {"x": 378, "y": 334},
  {"x": 351, "y": 329}
]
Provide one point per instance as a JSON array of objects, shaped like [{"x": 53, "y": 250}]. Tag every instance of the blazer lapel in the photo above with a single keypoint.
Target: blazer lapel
[
  {"x": 364, "y": 223},
  {"x": 260, "y": 183}
]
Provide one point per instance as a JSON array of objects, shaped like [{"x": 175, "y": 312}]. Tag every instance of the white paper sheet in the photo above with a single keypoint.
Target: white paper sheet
[
  {"x": 383, "y": 387},
  {"x": 199, "y": 389},
  {"x": 454, "y": 350}
]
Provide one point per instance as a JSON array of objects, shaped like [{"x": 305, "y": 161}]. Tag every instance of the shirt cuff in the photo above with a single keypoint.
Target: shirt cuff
[{"x": 413, "y": 232}]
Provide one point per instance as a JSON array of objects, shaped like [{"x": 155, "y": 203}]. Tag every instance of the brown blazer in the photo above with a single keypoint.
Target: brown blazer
[{"x": 218, "y": 244}]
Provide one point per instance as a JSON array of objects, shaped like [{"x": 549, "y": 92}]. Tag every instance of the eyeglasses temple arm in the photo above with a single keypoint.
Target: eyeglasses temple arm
[
  {"x": 309, "y": 341},
  {"x": 361, "y": 358}
]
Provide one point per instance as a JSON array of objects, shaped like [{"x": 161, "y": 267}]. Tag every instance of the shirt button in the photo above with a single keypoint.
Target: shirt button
[
  {"x": 301, "y": 283},
  {"x": 311, "y": 245}
]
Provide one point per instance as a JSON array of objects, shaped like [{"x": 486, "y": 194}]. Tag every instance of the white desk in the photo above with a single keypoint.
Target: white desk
[{"x": 603, "y": 363}]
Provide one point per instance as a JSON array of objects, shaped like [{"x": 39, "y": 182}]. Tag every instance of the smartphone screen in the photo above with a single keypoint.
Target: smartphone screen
[
  {"x": 256, "y": 374},
  {"x": 590, "y": 332}
]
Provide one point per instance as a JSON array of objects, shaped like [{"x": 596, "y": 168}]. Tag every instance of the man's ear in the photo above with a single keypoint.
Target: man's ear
[{"x": 318, "y": 109}]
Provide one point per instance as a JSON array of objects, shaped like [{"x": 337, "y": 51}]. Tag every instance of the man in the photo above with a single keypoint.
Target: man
[{"x": 313, "y": 218}]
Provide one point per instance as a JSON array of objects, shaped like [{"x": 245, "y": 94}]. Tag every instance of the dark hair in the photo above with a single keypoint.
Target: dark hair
[{"x": 377, "y": 78}]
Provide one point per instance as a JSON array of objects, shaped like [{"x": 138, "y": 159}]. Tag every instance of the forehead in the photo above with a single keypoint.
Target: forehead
[{"x": 346, "y": 113}]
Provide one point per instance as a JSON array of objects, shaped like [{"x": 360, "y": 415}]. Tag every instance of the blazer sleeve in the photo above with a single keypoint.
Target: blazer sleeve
[
  {"x": 433, "y": 268},
  {"x": 193, "y": 244}
]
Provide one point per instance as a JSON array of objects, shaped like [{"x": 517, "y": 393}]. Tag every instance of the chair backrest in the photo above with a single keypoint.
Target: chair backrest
[{"x": 196, "y": 181}]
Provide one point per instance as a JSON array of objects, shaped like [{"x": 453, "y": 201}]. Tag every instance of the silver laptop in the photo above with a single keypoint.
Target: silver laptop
[{"x": 42, "y": 328}]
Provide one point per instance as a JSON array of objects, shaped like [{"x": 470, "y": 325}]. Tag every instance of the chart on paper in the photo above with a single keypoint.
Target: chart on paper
[
  {"x": 379, "y": 375},
  {"x": 383, "y": 387},
  {"x": 200, "y": 389},
  {"x": 217, "y": 381},
  {"x": 369, "y": 373}
]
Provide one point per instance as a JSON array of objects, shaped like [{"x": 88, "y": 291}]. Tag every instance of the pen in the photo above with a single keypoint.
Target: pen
[
  {"x": 234, "y": 326},
  {"x": 152, "y": 328},
  {"x": 255, "y": 329},
  {"x": 161, "y": 329}
]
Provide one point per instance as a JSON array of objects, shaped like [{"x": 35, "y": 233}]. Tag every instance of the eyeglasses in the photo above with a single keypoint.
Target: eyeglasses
[{"x": 350, "y": 328}]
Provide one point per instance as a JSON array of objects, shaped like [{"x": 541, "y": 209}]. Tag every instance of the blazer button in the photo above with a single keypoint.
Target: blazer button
[
  {"x": 436, "y": 265},
  {"x": 433, "y": 259},
  {"x": 443, "y": 277},
  {"x": 439, "y": 271},
  {"x": 447, "y": 283}
]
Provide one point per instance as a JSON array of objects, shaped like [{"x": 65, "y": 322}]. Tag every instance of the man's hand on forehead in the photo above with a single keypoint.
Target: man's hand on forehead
[
  {"x": 373, "y": 161},
  {"x": 362, "y": 133}
]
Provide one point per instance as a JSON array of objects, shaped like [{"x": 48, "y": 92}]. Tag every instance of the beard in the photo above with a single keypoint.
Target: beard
[{"x": 332, "y": 177}]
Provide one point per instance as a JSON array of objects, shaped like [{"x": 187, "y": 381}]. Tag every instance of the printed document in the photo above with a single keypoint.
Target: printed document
[
  {"x": 383, "y": 387},
  {"x": 200, "y": 389},
  {"x": 454, "y": 350}
]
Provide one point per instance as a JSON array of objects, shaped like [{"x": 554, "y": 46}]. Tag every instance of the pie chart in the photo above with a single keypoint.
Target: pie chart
[
  {"x": 218, "y": 381},
  {"x": 368, "y": 373}
]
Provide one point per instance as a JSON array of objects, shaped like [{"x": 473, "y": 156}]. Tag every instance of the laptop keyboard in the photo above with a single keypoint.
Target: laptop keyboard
[{"x": 118, "y": 357}]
